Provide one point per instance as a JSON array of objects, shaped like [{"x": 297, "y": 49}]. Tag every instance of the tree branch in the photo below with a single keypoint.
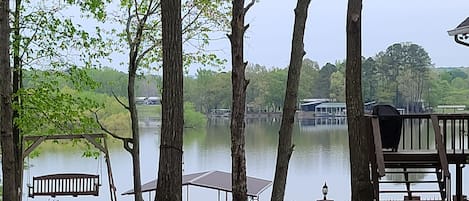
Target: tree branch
[
  {"x": 149, "y": 8},
  {"x": 188, "y": 12},
  {"x": 104, "y": 128},
  {"x": 142, "y": 55},
  {"x": 136, "y": 9},
  {"x": 126, "y": 141},
  {"x": 120, "y": 102},
  {"x": 127, "y": 29},
  {"x": 248, "y": 6},
  {"x": 192, "y": 22},
  {"x": 230, "y": 36},
  {"x": 246, "y": 27},
  {"x": 155, "y": 8},
  {"x": 127, "y": 147}
]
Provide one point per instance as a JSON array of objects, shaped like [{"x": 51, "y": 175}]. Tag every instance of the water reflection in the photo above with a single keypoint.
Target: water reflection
[{"x": 321, "y": 154}]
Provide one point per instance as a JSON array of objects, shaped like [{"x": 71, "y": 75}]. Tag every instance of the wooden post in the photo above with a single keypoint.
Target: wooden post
[
  {"x": 407, "y": 198},
  {"x": 458, "y": 183}
]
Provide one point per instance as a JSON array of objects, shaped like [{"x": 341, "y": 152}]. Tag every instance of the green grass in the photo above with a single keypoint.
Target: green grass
[{"x": 149, "y": 110}]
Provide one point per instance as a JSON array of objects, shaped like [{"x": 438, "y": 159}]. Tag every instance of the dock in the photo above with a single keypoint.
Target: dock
[{"x": 429, "y": 144}]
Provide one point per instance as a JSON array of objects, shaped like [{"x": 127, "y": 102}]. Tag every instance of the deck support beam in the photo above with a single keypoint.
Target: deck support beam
[{"x": 459, "y": 182}]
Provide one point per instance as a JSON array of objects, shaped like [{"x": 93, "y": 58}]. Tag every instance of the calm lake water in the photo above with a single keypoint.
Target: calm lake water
[{"x": 321, "y": 155}]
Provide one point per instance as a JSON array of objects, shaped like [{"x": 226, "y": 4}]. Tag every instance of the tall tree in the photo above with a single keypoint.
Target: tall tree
[
  {"x": 369, "y": 79},
  {"x": 275, "y": 81},
  {"x": 142, "y": 37},
  {"x": 337, "y": 88},
  {"x": 169, "y": 185},
  {"x": 9, "y": 167},
  {"x": 404, "y": 70},
  {"x": 17, "y": 84},
  {"x": 285, "y": 147},
  {"x": 41, "y": 35},
  {"x": 358, "y": 141},
  {"x": 309, "y": 73},
  {"x": 138, "y": 14},
  {"x": 239, "y": 83},
  {"x": 323, "y": 83}
]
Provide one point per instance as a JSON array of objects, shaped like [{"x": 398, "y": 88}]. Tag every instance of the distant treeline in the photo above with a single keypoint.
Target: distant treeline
[
  {"x": 402, "y": 75},
  {"x": 105, "y": 80}
]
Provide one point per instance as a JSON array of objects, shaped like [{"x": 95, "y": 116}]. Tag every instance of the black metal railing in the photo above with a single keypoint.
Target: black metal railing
[{"x": 418, "y": 134}]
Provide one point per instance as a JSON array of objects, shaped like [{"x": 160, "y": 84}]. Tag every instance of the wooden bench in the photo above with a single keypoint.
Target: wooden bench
[{"x": 64, "y": 185}]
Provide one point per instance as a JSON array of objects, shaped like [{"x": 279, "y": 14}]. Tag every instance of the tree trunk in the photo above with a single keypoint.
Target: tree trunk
[
  {"x": 17, "y": 84},
  {"x": 285, "y": 147},
  {"x": 239, "y": 84},
  {"x": 10, "y": 190},
  {"x": 135, "y": 149},
  {"x": 358, "y": 143},
  {"x": 169, "y": 186}
]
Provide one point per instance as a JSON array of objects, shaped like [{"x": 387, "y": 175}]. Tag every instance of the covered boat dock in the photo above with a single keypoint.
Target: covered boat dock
[{"x": 217, "y": 180}]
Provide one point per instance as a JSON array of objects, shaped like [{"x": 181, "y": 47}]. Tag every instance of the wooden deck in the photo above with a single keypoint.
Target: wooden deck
[{"x": 429, "y": 143}]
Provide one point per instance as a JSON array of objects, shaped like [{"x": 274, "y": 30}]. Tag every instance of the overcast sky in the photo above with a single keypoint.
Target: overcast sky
[{"x": 384, "y": 22}]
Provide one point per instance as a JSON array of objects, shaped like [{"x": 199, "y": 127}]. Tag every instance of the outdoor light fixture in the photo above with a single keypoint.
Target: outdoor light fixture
[
  {"x": 461, "y": 33},
  {"x": 325, "y": 190}
]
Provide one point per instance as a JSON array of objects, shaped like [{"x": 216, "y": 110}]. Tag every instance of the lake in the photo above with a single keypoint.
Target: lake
[{"x": 321, "y": 155}]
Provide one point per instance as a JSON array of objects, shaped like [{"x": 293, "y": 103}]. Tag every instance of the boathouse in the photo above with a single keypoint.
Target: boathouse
[
  {"x": 330, "y": 109},
  {"x": 311, "y": 103}
]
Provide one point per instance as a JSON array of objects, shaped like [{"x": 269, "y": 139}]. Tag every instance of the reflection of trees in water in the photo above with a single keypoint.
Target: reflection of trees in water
[
  {"x": 226, "y": 120},
  {"x": 149, "y": 121},
  {"x": 418, "y": 134},
  {"x": 412, "y": 176},
  {"x": 425, "y": 174},
  {"x": 323, "y": 123},
  {"x": 262, "y": 139}
]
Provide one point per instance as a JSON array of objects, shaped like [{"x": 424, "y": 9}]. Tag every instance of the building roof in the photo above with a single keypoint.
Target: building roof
[
  {"x": 312, "y": 103},
  {"x": 331, "y": 105},
  {"x": 451, "y": 106},
  {"x": 462, "y": 28},
  {"x": 217, "y": 180}
]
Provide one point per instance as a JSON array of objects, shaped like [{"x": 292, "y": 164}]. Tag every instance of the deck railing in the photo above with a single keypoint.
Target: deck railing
[
  {"x": 442, "y": 155},
  {"x": 378, "y": 148},
  {"x": 418, "y": 133},
  {"x": 441, "y": 133}
]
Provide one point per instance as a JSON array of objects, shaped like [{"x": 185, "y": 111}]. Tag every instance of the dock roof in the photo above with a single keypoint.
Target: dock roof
[{"x": 217, "y": 180}]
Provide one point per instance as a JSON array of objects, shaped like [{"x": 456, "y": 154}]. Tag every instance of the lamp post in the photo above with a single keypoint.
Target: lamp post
[{"x": 325, "y": 189}]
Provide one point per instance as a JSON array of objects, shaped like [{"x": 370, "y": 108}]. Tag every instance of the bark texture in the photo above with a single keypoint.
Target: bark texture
[
  {"x": 285, "y": 146},
  {"x": 239, "y": 84},
  {"x": 359, "y": 148},
  {"x": 169, "y": 187},
  {"x": 17, "y": 84},
  {"x": 135, "y": 148},
  {"x": 9, "y": 164}
]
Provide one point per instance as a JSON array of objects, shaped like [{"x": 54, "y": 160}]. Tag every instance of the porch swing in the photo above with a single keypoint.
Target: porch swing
[
  {"x": 64, "y": 184},
  {"x": 69, "y": 184}
]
